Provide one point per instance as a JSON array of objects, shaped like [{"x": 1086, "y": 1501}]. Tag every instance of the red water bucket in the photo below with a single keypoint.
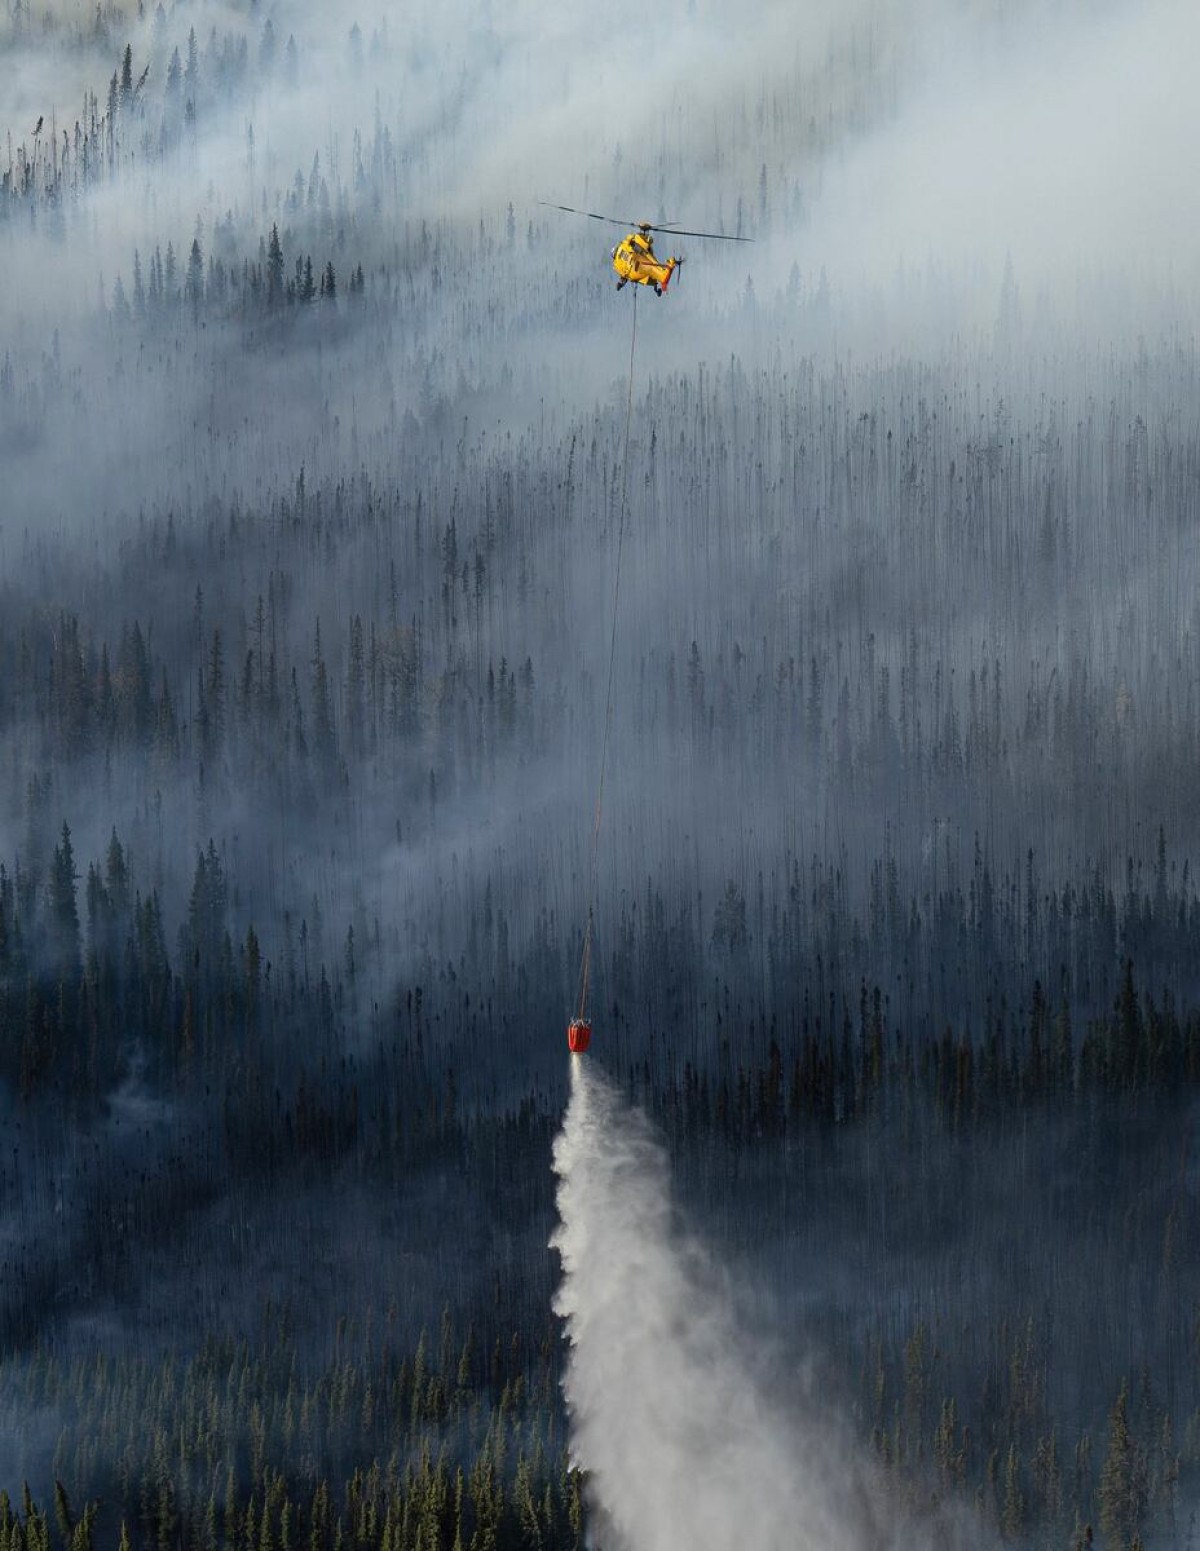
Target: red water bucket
[{"x": 579, "y": 1035}]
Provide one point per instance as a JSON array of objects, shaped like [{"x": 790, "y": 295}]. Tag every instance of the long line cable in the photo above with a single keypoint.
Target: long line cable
[{"x": 594, "y": 868}]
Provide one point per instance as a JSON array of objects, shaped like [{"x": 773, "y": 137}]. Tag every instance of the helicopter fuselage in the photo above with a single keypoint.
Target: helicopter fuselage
[{"x": 634, "y": 259}]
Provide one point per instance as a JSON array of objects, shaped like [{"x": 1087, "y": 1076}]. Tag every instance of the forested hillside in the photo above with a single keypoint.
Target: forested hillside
[{"x": 315, "y": 473}]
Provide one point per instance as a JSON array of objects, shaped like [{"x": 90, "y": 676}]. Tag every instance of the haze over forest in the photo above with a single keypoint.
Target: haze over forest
[{"x": 313, "y": 477}]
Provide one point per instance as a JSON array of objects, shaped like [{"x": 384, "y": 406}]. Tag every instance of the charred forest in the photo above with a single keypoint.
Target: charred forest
[{"x": 321, "y": 441}]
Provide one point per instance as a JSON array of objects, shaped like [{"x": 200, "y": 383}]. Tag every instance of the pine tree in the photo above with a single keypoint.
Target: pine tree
[
  {"x": 323, "y": 733},
  {"x": 191, "y": 74},
  {"x": 139, "y": 289},
  {"x": 1012, "y": 1518},
  {"x": 948, "y": 1453},
  {"x": 116, "y": 875},
  {"x": 194, "y": 285},
  {"x": 1047, "y": 1474},
  {"x": 64, "y": 912},
  {"x": 459, "y": 1487},
  {"x": 174, "y": 79},
  {"x": 252, "y": 972},
  {"x": 62, "y": 1512},
  {"x": 274, "y": 268},
  {"x": 526, "y": 1505},
  {"x": 214, "y": 698},
  {"x": 1122, "y": 1478}
]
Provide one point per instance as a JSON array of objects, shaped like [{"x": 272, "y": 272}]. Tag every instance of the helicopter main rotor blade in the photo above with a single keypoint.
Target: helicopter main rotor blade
[
  {"x": 591, "y": 214},
  {"x": 675, "y": 231},
  {"x": 642, "y": 226}
]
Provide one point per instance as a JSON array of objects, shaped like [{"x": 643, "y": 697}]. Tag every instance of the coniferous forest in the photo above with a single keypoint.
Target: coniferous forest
[{"x": 321, "y": 443}]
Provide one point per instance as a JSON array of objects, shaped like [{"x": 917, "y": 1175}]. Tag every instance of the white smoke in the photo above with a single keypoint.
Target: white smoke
[{"x": 684, "y": 1445}]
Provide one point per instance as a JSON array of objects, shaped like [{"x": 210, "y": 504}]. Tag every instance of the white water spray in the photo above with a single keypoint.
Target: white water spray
[{"x": 683, "y": 1448}]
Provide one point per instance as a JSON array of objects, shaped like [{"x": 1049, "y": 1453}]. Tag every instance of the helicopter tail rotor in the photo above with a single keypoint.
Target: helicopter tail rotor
[{"x": 673, "y": 264}]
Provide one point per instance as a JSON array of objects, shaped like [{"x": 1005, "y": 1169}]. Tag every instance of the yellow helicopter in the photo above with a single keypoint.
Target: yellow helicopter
[{"x": 634, "y": 257}]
